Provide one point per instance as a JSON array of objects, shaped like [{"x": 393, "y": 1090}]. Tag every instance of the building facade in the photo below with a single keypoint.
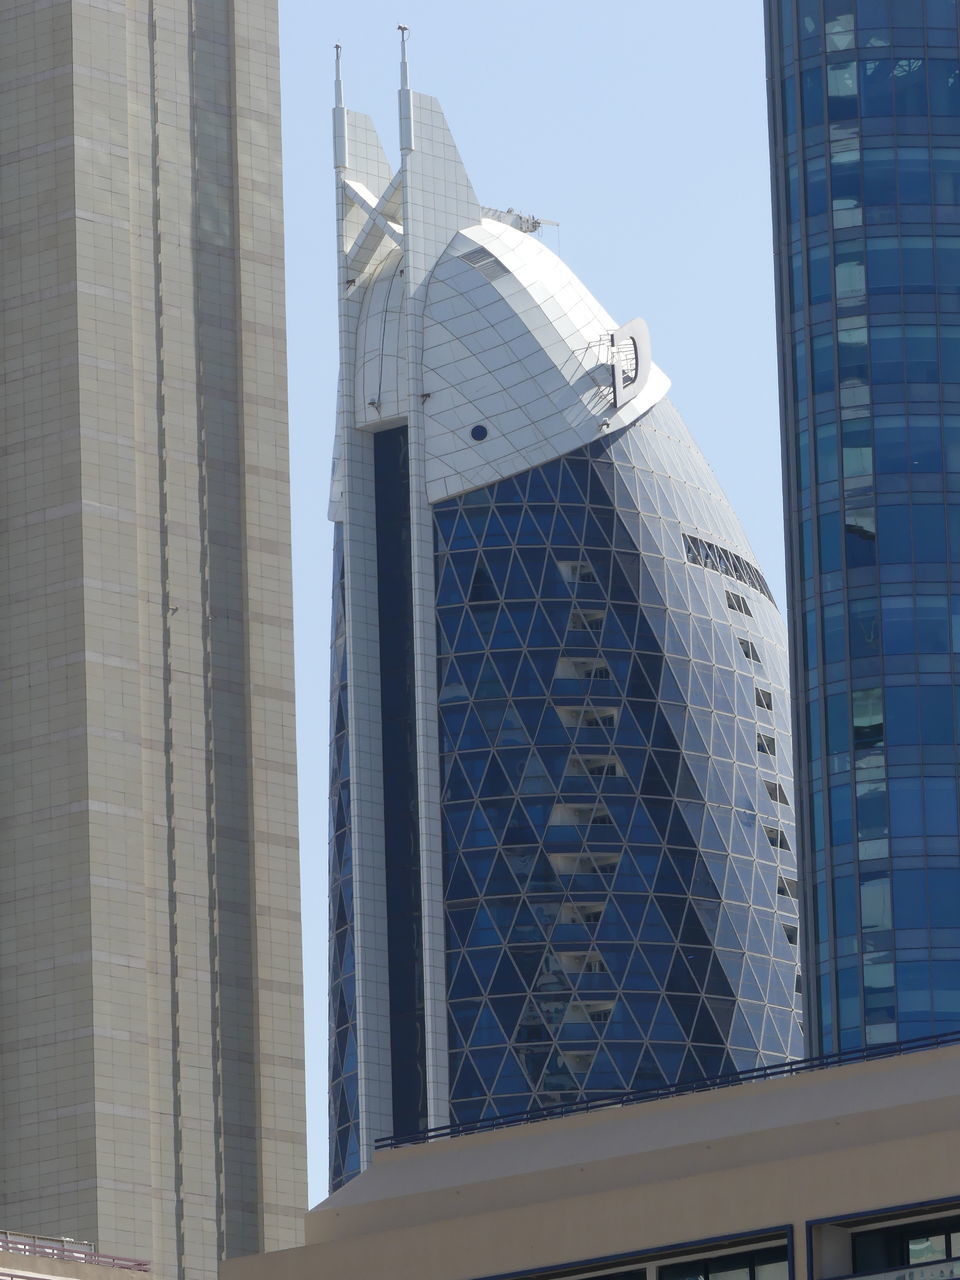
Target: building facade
[
  {"x": 865, "y": 128},
  {"x": 150, "y": 1043},
  {"x": 561, "y": 860}
]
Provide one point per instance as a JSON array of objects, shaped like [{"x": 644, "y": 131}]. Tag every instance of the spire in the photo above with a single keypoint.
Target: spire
[
  {"x": 338, "y": 80},
  {"x": 404, "y": 68},
  {"x": 406, "y": 97},
  {"x": 340, "y": 156}
]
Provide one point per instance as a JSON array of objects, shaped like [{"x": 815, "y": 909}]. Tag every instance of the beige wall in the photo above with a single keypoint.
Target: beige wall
[
  {"x": 745, "y": 1159},
  {"x": 150, "y": 1046}
]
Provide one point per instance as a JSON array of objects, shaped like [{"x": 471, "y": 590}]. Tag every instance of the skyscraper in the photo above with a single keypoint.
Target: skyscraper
[
  {"x": 150, "y": 1039},
  {"x": 865, "y": 116},
  {"x": 561, "y": 817}
]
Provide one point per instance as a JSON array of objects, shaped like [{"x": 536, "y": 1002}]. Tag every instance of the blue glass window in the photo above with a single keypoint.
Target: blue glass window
[
  {"x": 935, "y": 707},
  {"x": 841, "y": 832},
  {"x": 838, "y": 731},
  {"x": 886, "y": 352},
  {"x": 893, "y": 534},
  {"x": 901, "y": 716},
  {"x": 940, "y": 818},
  {"x": 913, "y": 174},
  {"x": 834, "y": 633},
  {"x": 812, "y": 92},
  {"x": 944, "y": 79},
  {"x": 941, "y": 13},
  {"x": 852, "y": 353},
  {"x": 898, "y": 627},
  {"x": 918, "y": 272},
  {"x": 850, "y": 269},
  {"x": 946, "y": 175},
  {"x": 860, "y": 538},
  {"x": 827, "y": 460},
  {"x": 819, "y": 275},
  {"x": 829, "y": 542},
  {"x": 876, "y": 87},
  {"x": 846, "y": 180},
  {"x": 864, "y": 628},
  {"x": 816, "y": 186},
  {"x": 933, "y": 625},
  {"x": 909, "y": 889},
  {"x": 929, "y": 534},
  {"x": 883, "y": 264},
  {"x": 910, "y": 83},
  {"x": 842, "y": 91},
  {"x": 921, "y": 353}
]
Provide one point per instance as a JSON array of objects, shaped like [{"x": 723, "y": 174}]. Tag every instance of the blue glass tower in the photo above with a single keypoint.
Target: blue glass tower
[
  {"x": 865, "y": 116},
  {"x": 562, "y": 833}
]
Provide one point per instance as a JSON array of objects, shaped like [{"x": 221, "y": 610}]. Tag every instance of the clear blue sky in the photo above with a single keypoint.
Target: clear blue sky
[{"x": 641, "y": 129}]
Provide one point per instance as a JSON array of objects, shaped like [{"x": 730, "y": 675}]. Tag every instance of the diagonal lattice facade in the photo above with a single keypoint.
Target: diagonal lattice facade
[{"x": 619, "y": 886}]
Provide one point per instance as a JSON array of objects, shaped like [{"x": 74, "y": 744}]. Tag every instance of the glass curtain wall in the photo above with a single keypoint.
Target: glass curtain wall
[{"x": 865, "y": 115}]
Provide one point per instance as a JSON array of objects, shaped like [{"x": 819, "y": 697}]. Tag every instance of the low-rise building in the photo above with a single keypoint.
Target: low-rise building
[{"x": 815, "y": 1175}]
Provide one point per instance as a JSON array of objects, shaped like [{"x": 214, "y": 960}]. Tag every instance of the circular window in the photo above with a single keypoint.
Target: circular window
[{"x": 479, "y": 432}]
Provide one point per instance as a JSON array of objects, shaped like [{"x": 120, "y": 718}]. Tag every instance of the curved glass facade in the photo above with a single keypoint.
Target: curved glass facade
[
  {"x": 619, "y": 880},
  {"x": 865, "y": 113}
]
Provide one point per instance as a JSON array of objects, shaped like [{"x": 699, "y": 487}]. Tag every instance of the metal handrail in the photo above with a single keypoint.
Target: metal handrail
[
  {"x": 64, "y": 1250},
  {"x": 799, "y": 1066}
]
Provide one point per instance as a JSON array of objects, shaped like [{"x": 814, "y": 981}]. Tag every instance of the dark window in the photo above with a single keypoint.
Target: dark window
[
  {"x": 401, "y": 827},
  {"x": 764, "y": 698},
  {"x": 775, "y": 791},
  {"x": 786, "y": 887},
  {"x": 749, "y": 649},
  {"x": 738, "y": 604},
  {"x": 777, "y": 837},
  {"x": 710, "y": 556}
]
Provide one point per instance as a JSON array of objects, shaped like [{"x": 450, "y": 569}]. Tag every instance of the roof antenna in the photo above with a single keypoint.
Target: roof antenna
[
  {"x": 404, "y": 76},
  {"x": 340, "y": 156},
  {"x": 406, "y": 97},
  {"x": 338, "y": 80}
]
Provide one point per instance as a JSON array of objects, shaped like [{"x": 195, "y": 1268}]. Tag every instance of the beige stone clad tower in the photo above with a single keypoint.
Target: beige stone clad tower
[{"x": 150, "y": 985}]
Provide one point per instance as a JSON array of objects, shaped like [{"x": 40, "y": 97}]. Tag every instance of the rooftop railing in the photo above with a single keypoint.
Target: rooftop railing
[
  {"x": 799, "y": 1066},
  {"x": 62, "y": 1249}
]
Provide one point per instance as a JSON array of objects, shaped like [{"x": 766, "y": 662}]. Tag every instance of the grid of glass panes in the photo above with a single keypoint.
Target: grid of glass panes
[
  {"x": 612, "y": 853},
  {"x": 866, "y": 112},
  {"x": 344, "y": 1100}
]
